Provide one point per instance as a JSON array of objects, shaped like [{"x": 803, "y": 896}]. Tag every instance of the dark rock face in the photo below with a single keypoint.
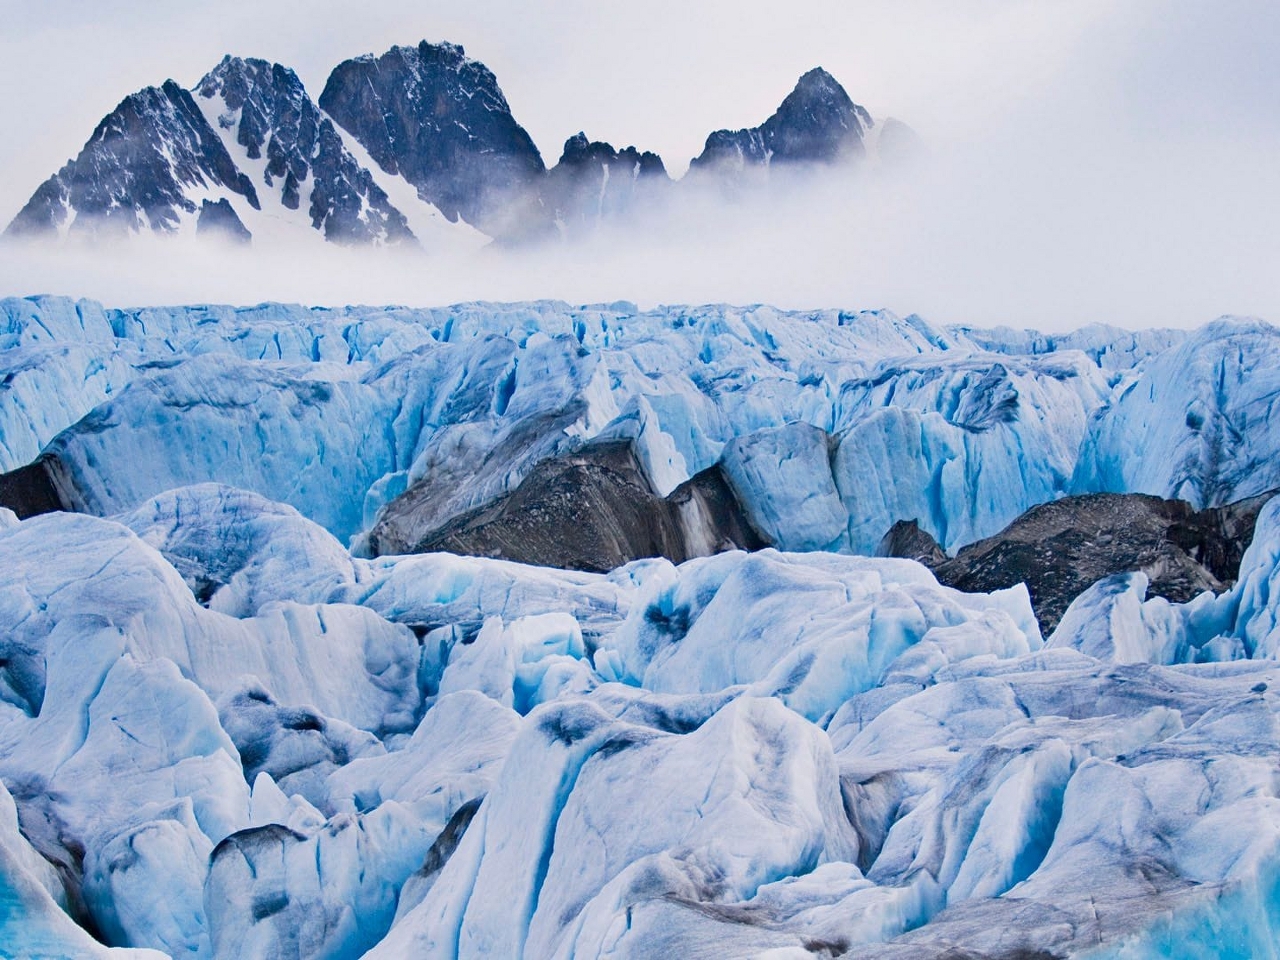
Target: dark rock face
[
  {"x": 905, "y": 539},
  {"x": 220, "y": 220},
  {"x": 1059, "y": 549},
  {"x": 439, "y": 119},
  {"x": 816, "y": 124},
  {"x": 39, "y": 487},
  {"x": 135, "y": 171},
  {"x": 274, "y": 119},
  {"x": 594, "y": 510},
  {"x": 594, "y": 183}
]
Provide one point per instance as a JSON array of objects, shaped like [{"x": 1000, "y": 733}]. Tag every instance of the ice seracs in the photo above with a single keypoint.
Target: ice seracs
[
  {"x": 224, "y": 733},
  {"x": 1201, "y": 413},
  {"x": 920, "y": 423},
  {"x": 950, "y": 766}
]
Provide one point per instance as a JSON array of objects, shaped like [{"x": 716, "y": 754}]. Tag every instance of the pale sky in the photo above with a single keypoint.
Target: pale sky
[{"x": 1090, "y": 160}]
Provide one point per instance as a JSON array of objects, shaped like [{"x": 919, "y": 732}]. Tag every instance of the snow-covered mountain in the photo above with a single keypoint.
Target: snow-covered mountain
[
  {"x": 816, "y": 124},
  {"x": 248, "y": 708},
  {"x": 153, "y": 163},
  {"x": 416, "y": 144},
  {"x": 437, "y": 118}
]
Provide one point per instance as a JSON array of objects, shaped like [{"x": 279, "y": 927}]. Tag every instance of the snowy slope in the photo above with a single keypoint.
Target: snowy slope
[
  {"x": 152, "y": 164},
  {"x": 295, "y": 157}
]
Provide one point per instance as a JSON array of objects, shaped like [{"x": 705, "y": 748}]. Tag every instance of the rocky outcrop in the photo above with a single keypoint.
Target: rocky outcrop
[
  {"x": 1059, "y": 549},
  {"x": 593, "y": 183},
  {"x": 595, "y": 510},
  {"x": 906, "y": 540},
  {"x": 219, "y": 220},
  {"x": 438, "y": 118},
  {"x": 39, "y": 487}
]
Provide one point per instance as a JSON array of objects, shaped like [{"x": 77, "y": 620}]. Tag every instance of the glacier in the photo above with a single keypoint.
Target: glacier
[
  {"x": 237, "y": 719},
  {"x": 520, "y": 762},
  {"x": 384, "y": 424}
]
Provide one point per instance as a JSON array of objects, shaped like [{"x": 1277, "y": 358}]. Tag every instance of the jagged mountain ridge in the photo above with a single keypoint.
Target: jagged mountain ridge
[
  {"x": 247, "y": 153},
  {"x": 594, "y": 183},
  {"x": 439, "y": 119}
]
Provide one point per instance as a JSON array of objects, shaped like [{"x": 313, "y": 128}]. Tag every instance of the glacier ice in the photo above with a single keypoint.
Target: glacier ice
[
  {"x": 33, "y": 921},
  {"x": 530, "y": 889},
  {"x": 238, "y": 551},
  {"x": 226, "y": 730},
  {"x": 383, "y": 424},
  {"x": 534, "y": 772},
  {"x": 808, "y": 630},
  {"x": 1200, "y": 412}
]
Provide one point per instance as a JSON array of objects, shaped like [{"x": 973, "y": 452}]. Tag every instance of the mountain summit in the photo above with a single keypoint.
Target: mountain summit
[
  {"x": 269, "y": 121},
  {"x": 437, "y": 118},
  {"x": 816, "y": 123},
  {"x": 146, "y": 167}
]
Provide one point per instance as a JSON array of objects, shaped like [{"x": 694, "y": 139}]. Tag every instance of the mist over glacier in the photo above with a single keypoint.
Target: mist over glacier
[{"x": 1061, "y": 185}]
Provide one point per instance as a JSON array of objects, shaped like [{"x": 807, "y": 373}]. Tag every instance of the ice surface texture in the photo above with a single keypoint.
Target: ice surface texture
[
  {"x": 384, "y": 425},
  {"x": 225, "y": 734},
  {"x": 445, "y": 756}
]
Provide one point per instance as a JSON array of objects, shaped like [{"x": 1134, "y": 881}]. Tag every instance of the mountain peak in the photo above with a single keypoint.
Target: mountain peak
[
  {"x": 135, "y": 171},
  {"x": 817, "y": 122},
  {"x": 818, "y": 79},
  {"x": 304, "y": 162},
  {"x": 575, "y": 146},
  {"x": 439, "y": 119}
]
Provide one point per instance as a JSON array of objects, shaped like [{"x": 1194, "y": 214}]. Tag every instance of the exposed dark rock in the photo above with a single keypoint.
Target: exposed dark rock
[
  {"x": 594, "y": 183},
  {"x": 816, "y": 124},
  {"x": 274, "y": 118},
  {"x": 906, "y": 539},
  {"x": 1059, "y": 549},
  {"x": 594, "y": 510},
  {"x": 439, "y": 119},
  {"x": 134, "y": 172},
  {"x": 449, "y": 839},
  {"x": 43, "y": 825},
  {"x": 220, "y": 220},
  {"x": 39, "y": 487}
]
